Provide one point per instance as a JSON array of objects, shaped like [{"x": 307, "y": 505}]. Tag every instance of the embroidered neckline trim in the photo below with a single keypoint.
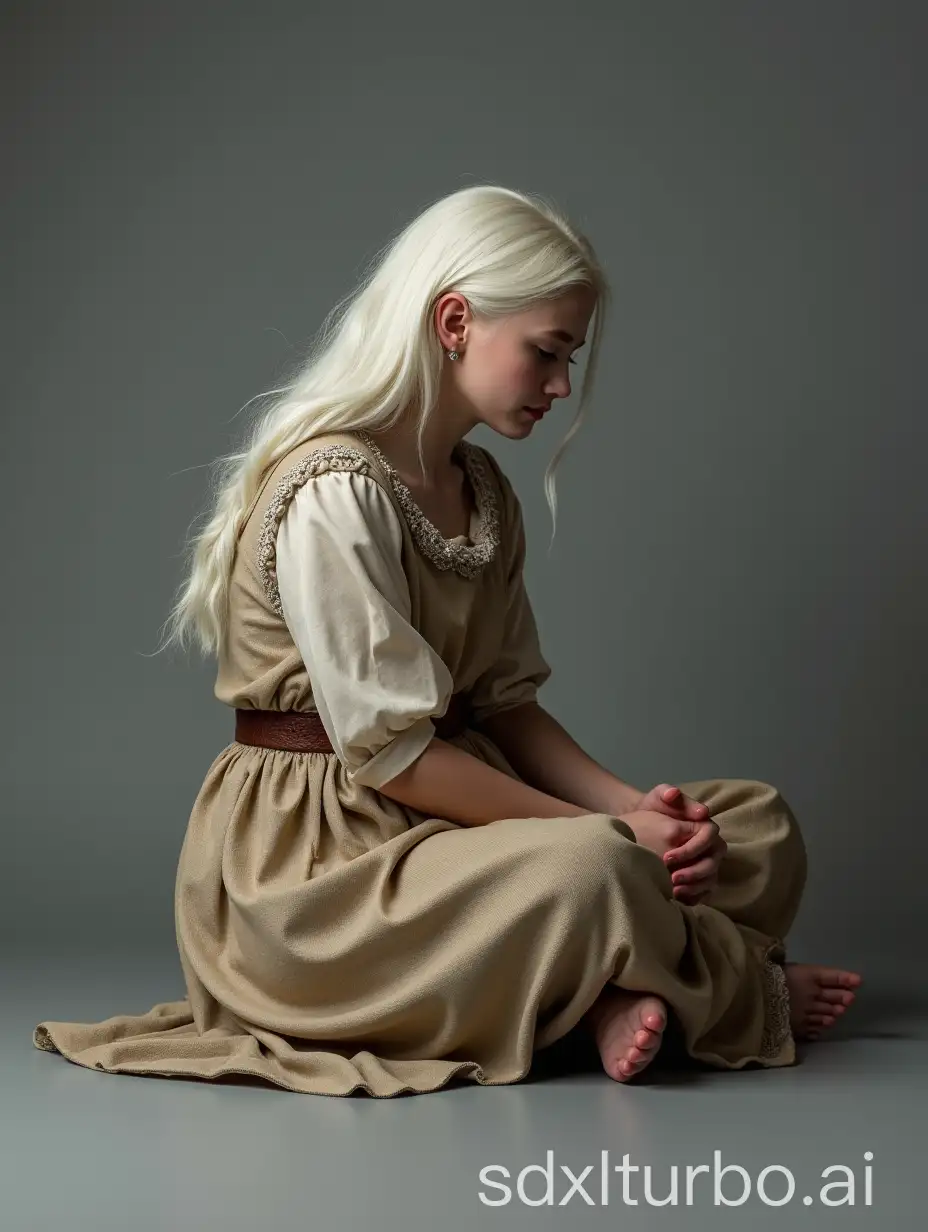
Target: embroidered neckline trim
[{"x": 467, "y": 559}]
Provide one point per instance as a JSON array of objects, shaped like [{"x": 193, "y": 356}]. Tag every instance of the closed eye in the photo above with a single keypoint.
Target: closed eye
[{"x": 551, "y": 355}]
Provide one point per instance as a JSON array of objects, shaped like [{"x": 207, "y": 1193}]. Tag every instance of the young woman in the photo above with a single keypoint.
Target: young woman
[{"x": 403, "y": 870}]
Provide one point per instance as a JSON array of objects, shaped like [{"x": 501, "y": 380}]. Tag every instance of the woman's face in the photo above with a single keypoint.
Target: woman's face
[{"x": 516, "y": 362}]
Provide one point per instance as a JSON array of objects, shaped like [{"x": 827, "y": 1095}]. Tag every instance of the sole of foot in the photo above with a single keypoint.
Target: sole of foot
[
  {"x": 818, "y": 996},
  {"x": 628, "y": 1028}
]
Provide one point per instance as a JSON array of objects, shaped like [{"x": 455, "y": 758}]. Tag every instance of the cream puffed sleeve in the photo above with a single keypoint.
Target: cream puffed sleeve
[
  {"x": 376, "y": 681},
  {"x": 520, "y": 668}
]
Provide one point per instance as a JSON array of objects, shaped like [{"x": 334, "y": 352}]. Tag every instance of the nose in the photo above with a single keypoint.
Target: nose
[{"x": 558, "y": 387}]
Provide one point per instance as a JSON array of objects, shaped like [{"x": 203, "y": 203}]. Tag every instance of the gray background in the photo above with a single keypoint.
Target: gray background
[{"x": 736, "y": 586}]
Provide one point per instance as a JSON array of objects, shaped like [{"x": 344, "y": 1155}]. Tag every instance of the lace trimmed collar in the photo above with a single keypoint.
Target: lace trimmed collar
[{"x": 465, "y": 558}]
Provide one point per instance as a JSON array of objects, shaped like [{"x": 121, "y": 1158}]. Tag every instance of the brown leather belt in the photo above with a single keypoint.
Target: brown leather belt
[{"x": 301, "y": 731}]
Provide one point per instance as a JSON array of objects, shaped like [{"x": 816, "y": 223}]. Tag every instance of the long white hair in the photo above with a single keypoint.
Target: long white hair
[{"x": 377, "y": 355}]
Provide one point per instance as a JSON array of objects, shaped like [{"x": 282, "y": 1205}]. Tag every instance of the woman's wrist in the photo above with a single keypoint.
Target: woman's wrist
[{"x": 627, "y": 798}]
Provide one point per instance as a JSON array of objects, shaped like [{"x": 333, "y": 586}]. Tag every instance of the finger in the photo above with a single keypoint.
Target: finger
[
  {"x": 714, "y": 854},
  {"x": 699, "y": 882},
  {"x": 704, "y": 841},
  {"x": 702, "y": 885},
  {"x": 705, "y": 835},
  {"x": 692, "y": 809},
  {"x": 694, "y": 873},
  {"x": 696, "y": 810}
]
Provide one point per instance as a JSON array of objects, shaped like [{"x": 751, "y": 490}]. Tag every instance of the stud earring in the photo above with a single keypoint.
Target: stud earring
[{"x": 452, "y": 355}]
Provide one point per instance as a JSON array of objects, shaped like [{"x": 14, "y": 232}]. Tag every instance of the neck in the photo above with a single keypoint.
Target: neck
[{"x": 399, "y": 445}]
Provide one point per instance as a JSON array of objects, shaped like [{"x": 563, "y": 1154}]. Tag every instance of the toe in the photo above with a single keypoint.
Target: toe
[
  {"x": 820, "y": 1020},
  {"x": 843, "y": 979},
  {"x": 835, "y": 977},
  {"x": 821, "y": 1006},
  {"x": 653, "y": 1021},
  {"x": 835, "y": 996}
]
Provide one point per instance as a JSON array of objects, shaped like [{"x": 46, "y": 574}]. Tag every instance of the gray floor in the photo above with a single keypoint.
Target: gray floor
[{"x": 83, "y": 1149}]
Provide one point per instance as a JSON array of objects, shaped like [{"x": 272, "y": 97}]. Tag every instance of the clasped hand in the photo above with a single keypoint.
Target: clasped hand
[{"x": 683, "y": 834}]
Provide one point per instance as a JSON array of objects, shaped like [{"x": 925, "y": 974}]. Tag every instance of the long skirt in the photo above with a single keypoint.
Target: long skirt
[{"x": 333, "y": 940}]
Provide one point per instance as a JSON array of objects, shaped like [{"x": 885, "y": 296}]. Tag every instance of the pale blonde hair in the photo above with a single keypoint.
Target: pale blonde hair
[{"x": 377, "y": 354}]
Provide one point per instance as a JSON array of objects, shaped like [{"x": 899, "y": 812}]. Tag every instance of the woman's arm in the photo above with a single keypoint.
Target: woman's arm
[
  {"x": 445, "y": 781},
  {"x": 545, "y": 755}
]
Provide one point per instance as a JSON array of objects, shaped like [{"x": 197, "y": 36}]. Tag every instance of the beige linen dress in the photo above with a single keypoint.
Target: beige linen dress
[{"x": 333, "y": 940}]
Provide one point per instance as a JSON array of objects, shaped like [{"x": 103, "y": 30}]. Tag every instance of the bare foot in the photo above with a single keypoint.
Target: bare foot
[
  {"x": 818, "y": 996},
  {"x": 627, "y": 1027}
]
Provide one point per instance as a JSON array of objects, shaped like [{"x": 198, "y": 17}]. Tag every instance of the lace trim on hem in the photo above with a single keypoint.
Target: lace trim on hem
[
  {"x": 776, "y": 1009},
  {"x": 41, "y": 1038}
]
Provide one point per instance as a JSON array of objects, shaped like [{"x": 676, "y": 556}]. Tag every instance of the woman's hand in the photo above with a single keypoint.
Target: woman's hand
[
  {"x": 695, "y": 850},
  {"x": 665, "y": 798}
]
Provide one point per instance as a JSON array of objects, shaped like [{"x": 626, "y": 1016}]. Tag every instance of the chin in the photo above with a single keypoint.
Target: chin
[{"x": 515, "y": 425}]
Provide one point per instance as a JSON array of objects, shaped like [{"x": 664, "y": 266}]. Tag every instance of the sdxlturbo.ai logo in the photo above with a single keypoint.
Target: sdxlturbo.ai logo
[{"x": 731, "y": 1184}]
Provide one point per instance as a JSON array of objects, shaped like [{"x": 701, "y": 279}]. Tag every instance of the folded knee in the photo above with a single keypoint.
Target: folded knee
[
  {"x": 593, "y": 847},
  {"x": 773, "y": 801},
  {"x": 779, "y": 819}
]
